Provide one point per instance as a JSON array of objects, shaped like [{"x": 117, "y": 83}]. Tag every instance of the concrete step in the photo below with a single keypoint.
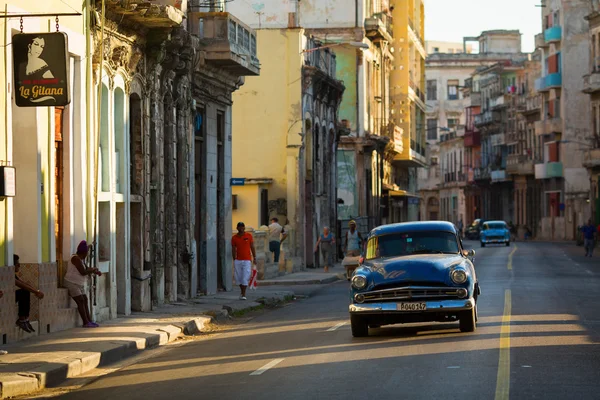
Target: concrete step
[
  {"x": 65, "y": 318},
  {"x": 272, "y": 271}
]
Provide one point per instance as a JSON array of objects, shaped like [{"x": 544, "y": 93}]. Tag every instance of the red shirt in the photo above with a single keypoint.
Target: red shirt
[{"x": 242, "y": 246}]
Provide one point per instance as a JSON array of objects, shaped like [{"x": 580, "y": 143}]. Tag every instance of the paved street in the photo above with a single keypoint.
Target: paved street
[{"x": 537, "y": 338}]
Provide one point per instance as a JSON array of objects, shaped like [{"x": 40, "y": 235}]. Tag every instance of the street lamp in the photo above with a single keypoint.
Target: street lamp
[{"x": 358, "y": 45}]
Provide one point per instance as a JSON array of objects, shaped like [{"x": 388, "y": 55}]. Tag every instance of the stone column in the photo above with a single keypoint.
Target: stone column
[
  {"x": 286, "y": 262},
  {"x": 260, "y": 237}
]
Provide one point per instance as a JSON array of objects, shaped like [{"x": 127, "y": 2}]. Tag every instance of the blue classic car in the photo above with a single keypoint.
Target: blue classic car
[
  {"x": 494, "y": 232},
  {"x": 414, "y": 272}
]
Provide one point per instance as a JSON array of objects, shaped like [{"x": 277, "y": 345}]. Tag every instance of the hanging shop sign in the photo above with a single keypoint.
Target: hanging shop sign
[
  {"x": 41, "y": 69},
  {"x": 8, "y": 181}
]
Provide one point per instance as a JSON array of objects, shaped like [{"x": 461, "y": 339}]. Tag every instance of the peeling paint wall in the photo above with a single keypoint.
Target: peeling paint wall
[
  {"x": 346, "y": 71},
  {"x": 346, "y": 184}
]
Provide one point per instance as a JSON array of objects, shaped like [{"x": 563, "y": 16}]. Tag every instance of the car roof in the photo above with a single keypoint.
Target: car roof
[
  {"x": 421, "y": 226},
  {"x": 495, "y": 222}
]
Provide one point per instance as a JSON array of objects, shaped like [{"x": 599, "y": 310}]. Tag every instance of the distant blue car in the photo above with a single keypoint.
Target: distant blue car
[
  {"x": 494, "y": 232},
  {"x": 414, "y": 272}
]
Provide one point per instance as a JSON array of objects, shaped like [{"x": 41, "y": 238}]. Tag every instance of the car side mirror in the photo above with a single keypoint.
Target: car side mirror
[{"x": 469, "y": 253}]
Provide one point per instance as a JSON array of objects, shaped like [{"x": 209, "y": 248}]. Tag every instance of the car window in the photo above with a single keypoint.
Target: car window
[
  {"x": 495, "y": 225},
  {"x": 404, "y": 244}
]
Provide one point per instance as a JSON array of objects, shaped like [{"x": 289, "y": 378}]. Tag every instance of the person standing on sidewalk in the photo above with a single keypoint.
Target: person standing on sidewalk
[
  {"x": 23, "y": 298},
  {"x": 327, "y": 242},
  {"x": 75, "y": 282},
  {"x": 244, "y": 255},
  {"x": 353, "y": 241},
  {"x": 276, "y": 236},
  {"x": 589, "y": 233}
]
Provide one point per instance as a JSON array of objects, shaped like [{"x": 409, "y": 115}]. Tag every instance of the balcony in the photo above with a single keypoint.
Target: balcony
[
  {"x": 553, "y": 80},
  {"x": 553, "y": 34},
  {"x": 530, "y": 105},
  {"x": 540, "y": 85},
  {"x": 472, "y": 139},
  {"x": 379, "y": 26},
  {"x": 499, "y": 102},
  {"x": 540, "y": 41},
  {"x": 591, "y": 158},
  {"x": 549, "y": 170},
  {"x": 475, "y": 99},
  {"x": 485, "y": 118},
  {"x": 395, "y": 133},
  {"x": 227, "y": 43},
  {"x": 499, "y": 176},
  {"x": 518, "y": 164},
  {"x": 499, "y": 139},
  {"x": 548, "y": 126},
  {"x": 482, "y": 173},
  {"x": 412, "y": 154},
  {"x": 591, "y": 83},
  {"x": 166, "y": 14}
]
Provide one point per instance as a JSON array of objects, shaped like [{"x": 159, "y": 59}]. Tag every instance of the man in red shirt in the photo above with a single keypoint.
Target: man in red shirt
[{"x": 244, "y": 254}]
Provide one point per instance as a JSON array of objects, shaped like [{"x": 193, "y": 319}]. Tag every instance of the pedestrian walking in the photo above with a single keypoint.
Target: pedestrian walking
[
  {"x": 23, "y": 298},
  {"x": 327, "y": 243},
  {"x": 76, "y": 281},
  {"x": 276, "y": 236},
  {"x": 353, "y": 241},
  {"x": 589, "y": 234},
  {"x": 244, "y": 255}
]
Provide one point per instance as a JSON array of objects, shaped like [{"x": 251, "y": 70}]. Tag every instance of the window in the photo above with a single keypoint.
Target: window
[
  {"x": 452, "y": 123},
  {"x": 432, "y": 128},
  {"x": 436, "y": 49},
  {"x": 432, "y": 89},
  {"x": 453, "y": 89}
]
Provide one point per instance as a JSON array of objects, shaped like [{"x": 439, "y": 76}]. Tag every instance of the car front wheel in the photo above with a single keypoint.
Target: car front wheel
[
  {"x": 359, "y": 326},
  {"x": 467, "y": 320}
]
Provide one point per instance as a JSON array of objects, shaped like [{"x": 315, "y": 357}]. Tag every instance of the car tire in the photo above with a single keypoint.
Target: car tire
[
  {"x": 467, "y": 320},
  {"x": 359, "y": 326},
  {"x": 482, "y": 244}
]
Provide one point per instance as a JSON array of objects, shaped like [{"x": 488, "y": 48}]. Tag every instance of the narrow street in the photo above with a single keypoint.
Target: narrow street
[{"x": 536, "y": 339}]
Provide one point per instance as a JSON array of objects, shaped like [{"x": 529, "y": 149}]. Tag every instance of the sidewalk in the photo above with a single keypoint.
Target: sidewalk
[{"x": 48, "y": 360}]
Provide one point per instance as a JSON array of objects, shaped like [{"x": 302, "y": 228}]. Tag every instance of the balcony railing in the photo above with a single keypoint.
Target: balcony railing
[
  {"x": 548, "y": 126},
  {"x": 591, "y": 158},
  {"x": 228, "y": 43},
  {"x": 549, "y": 170},
  {"x": 380, "y": 25},
  {"x": 540, "y": 41},
  {"x": 540, "y": 85},
  {"x": 519, "y": 164},
  {"x": 499, "y": 175},
  {"x": 554, "y": 80},
  {"x": 530, "y": 104},
  {"x": 482, "y": 173},
  {"x": 324, "y": 59},
  {"x": 165, "y": 14},
  {"x": 591, "y": 83},
  {"x": 553, "y": 34}
]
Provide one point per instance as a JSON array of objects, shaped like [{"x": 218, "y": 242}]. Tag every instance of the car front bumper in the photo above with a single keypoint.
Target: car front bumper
[
  {"x": 439, "y": 306},
  {"x": 494, "y": 241}
]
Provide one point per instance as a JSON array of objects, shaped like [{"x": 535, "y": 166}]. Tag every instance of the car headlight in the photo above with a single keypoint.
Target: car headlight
[
  {"x": 459, "y": 276},
  {"x": 359, "y": 282}
]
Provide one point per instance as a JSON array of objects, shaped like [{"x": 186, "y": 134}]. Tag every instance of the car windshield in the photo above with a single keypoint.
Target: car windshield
[
  {"x": 409, "y": 243},
  {"x": 494, "y": 225}
]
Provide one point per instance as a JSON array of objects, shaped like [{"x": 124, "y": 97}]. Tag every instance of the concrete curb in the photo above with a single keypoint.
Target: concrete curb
[
  {"x": 291, "y": 282},
  {"x": 57, "y": 371}
]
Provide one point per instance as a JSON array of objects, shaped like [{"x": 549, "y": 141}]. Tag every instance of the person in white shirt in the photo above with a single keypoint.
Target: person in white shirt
[{"x": 276, "y": 236}]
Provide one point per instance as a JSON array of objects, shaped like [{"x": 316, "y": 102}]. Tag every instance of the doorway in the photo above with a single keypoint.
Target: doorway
[
  {"x": 200, "y": 191},
  {"x": 221, "y": 200}
]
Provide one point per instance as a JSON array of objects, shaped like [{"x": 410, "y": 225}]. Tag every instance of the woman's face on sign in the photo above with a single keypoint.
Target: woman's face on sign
[{"x": 37, "y": 47}]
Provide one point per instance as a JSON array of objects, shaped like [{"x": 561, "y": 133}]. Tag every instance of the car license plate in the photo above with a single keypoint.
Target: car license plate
[{"x": 411, "y": 306}]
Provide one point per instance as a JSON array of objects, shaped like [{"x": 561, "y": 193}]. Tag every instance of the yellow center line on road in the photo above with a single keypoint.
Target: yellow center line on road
[
  {"x": 510, "y": 257},
  {"x": 503, "y": 379}
]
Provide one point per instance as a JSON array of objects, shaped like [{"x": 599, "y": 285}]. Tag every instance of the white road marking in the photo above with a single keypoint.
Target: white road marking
[
  {"x": 267, "y": 367},
  {"x": 525, "y": 366},
  {"x": 333, "y": 328},
  {"x": 453, "y": 367},
  {"x": 589, "y": 272}
]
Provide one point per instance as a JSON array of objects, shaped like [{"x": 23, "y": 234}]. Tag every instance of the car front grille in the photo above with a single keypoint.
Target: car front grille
[
  {"x": 412, "y": 293},
  {"x": 494, "y": 237}
]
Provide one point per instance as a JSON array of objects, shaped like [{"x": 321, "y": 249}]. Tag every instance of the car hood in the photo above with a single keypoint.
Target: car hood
[
  {"x": 495, "y": 232},
  {"x": 416, "y": 268}
]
